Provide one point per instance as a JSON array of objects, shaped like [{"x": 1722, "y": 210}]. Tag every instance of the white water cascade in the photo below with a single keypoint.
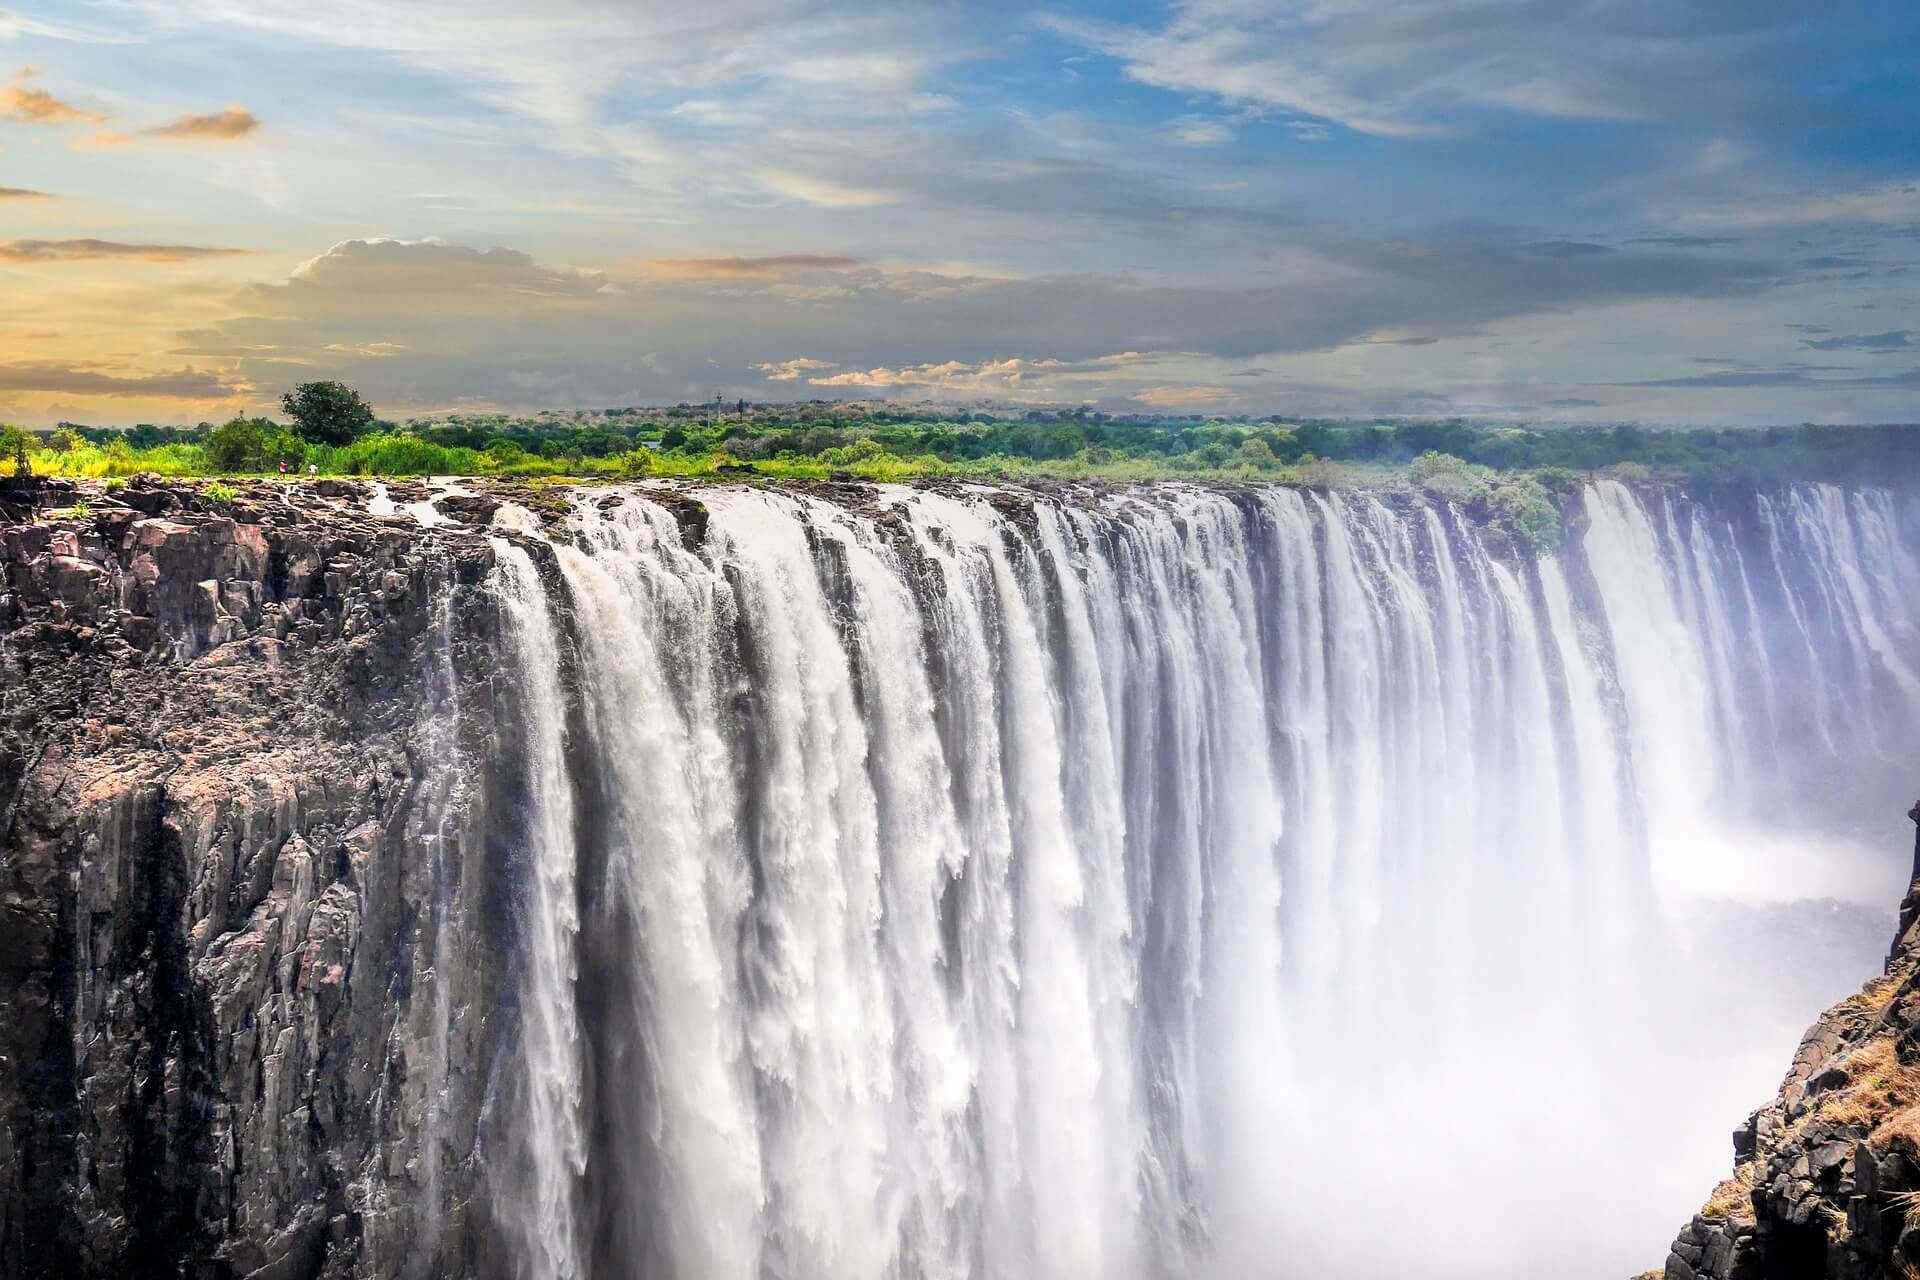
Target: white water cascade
[{"x": 1167, "y": 882}]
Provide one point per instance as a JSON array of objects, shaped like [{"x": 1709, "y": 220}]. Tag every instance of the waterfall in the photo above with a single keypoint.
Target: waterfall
[{"x": 1169, "y": 881}]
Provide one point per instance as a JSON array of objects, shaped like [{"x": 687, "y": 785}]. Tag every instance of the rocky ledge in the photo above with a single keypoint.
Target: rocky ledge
[
  {"x": 236, "y": 1037},
  {"x": 1826, "y": 1179}
]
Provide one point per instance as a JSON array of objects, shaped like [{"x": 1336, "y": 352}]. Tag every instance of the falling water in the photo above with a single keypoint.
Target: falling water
[{"x": 1174, "y": 882}]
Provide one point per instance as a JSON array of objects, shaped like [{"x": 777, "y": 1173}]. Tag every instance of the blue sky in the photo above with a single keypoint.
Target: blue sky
[{"x": 1556, "y": 211}]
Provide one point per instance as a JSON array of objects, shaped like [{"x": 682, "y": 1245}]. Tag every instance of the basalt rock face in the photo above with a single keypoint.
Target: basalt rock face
[
  {"x": 1827, "y": 1176},
  {"x": 241, "y": 1034}
]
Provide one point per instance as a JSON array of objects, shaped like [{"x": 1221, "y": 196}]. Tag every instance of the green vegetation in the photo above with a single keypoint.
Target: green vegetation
[
  {"x": 328, "y": 412},
  {"x": 219, "y": 493},
  {"x": 1511, "y": 474}
]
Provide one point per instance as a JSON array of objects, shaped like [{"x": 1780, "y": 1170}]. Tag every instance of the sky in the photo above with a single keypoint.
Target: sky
[{"x": 1546, "y": 210}]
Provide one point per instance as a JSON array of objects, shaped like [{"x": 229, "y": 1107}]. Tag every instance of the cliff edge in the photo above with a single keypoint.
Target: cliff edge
[
  {"x": 238, "y": 1035},
  {"x": 1826, "y": 1179}
]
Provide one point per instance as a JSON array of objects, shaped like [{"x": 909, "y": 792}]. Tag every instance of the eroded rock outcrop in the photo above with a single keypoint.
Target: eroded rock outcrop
[
  {"x": 241, "y": 1034},
  {"x": 1826, "y": 1180}
]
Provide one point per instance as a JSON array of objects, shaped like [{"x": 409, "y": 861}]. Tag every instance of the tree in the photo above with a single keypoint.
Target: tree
[
  {"x": 252, "y": 444},
  {"x": 14, "y": 443},
  {"x": 328, "y": 412},
  {"x": 65, "y": 440}
]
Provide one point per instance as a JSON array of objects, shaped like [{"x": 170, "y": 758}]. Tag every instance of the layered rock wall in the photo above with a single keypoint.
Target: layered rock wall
[
  {"x": 241, "y": 1034},
  {"x": 1826, "y": 1181}
]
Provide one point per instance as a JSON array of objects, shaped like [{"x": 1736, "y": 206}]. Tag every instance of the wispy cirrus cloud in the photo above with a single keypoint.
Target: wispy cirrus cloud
[
  {"x": 97, "y": 250},
  {"x": 1414, "y": 70},
  {"x": 1178, "y": 397},
  {"x": 774, "y": 267},
  {"x": 234, "y": 123},
  {"x": 1893, "y": 340}
]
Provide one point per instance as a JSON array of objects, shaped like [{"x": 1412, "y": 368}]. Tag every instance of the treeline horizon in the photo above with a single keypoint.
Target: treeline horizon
[{"x": 330, "y": 429}]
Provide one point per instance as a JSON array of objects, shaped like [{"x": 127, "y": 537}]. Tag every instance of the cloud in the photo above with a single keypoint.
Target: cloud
[
  {"x": 427, "y": 271},
  {"x": 776, "y": 267},
  {"x": 1687, "y": 242},
  {"x": 496, "y": 326},
  {"x": 1573, "y": 402},
  {"x": 1568, "y": 249},
  {"x": 1894, "y": 340},
  {"x": 1782, "y": 377},
  {"x": 1200, "y": 131},
  {"x": 35, "y": 106},
  {"x": 1750, "y": 208},
  {"x": 951, "y": 375},
  {"x": 104, "y": 140},
  {"x": 1168, "y": 397},
  {"x": 225, "y": 126},
  {"x": 184, "y": 383},
  {"x": 825, "y": 192},
  {"x": 1403, "y": 70},
  {"x": 96, "y": 250},
  {"x": 791, "y": 370},
  {"x": 23, "y": 193}
]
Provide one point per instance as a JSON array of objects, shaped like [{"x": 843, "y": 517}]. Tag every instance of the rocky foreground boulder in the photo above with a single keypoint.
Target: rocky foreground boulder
[
  {"x": 237, "y": 1036},
  {"x": 1826, "y": 1180}
]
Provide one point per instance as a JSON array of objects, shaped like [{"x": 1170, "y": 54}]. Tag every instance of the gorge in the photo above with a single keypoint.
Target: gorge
[{"x": 833, "y": 880}]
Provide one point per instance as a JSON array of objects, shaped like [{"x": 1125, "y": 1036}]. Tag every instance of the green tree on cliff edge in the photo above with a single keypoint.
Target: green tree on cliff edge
[
  {"x": 14, "y": 443},
  {"x": 327, "y": 412}
]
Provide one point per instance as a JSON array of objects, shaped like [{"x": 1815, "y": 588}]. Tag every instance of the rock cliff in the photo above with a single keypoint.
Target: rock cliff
[
  {"x": 1826, "y": 1180},
  {"x": 241, "y": 1035}
]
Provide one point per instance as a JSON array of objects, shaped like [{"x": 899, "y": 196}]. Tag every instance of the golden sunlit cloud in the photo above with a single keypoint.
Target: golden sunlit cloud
[
  {"x": 952, "y": 375},
  {"x": 96, "y": 250},
  {"x": 36, "y": 106},
  {"x": 185, "y": 382},
  {"x": 1169, "y": 397},
  {"x": 770, "y": 268},
  {"x": 225, "y": 126},
  {"x": 791, "y": 370},
  {"x": 105, "y": 140}
]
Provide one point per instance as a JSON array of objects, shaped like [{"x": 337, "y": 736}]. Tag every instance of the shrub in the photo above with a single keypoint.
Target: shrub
[
  {"x": 1259, "y": 454},
  {"x": 252, "y": 444},
  {"x": 219, "y": 493},
  {"x": 65, "y": 440},
  {"x": 1454, "y": 479},
  {"x": 1526, "y": 508}
]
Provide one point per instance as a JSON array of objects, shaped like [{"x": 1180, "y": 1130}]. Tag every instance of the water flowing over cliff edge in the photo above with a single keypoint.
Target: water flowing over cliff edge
[{"x": 1155, "y": 881}]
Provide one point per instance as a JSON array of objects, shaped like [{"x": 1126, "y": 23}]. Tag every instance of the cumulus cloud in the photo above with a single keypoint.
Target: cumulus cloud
[
  {"x": 791, "y": 370},
  {"x": 95, "y": 250},
  {"x": 428, "y": 270},
  {"x": 225, "y": 126},
  {"x": 26, "y": 105},
  {"x": 497, "y": 326},
  {"x": 950, "y": 375}
]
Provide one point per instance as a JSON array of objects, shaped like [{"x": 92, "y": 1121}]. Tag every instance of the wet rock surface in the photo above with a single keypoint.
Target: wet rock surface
[
  {"x": 239, "y": 1036},
  {"x": 1826, "y": 1182}
]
